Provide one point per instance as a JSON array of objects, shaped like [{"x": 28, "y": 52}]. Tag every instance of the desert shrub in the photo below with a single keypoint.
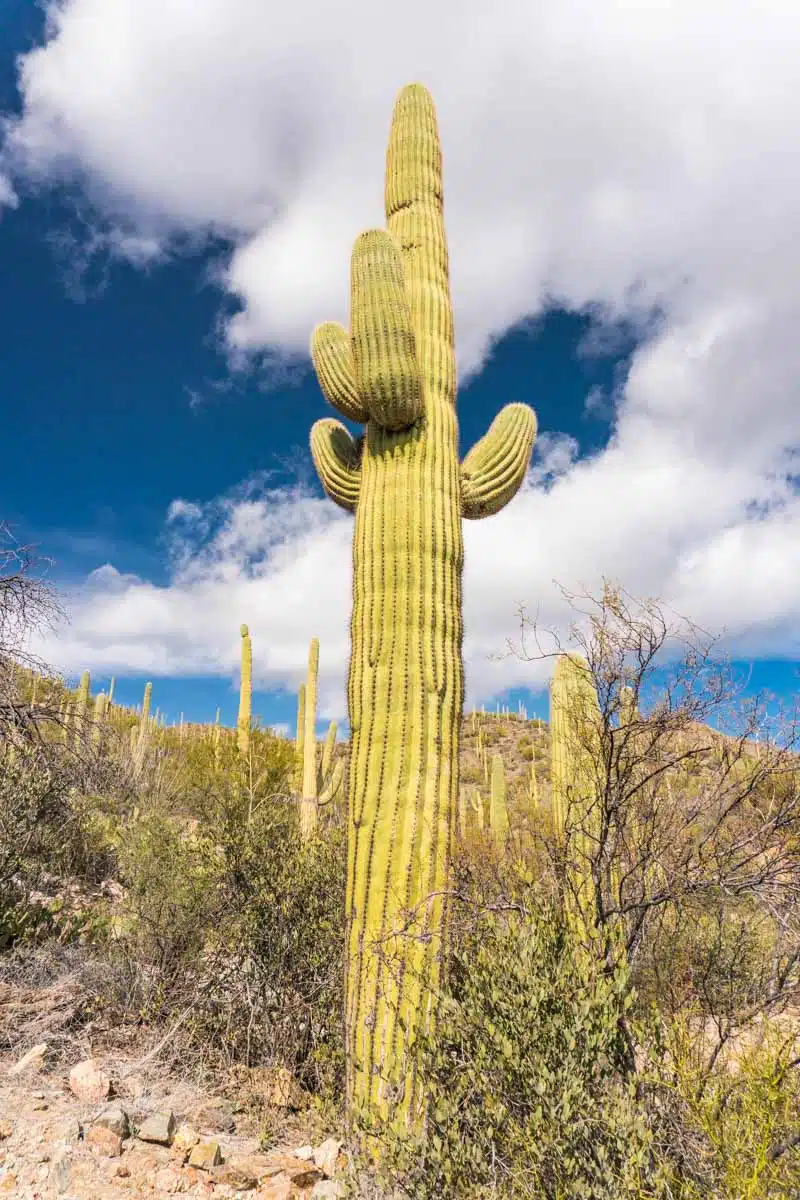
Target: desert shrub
[
  {"x": 526, "y": 752},
  {"x": 725, "y": 1132},
  {"x": 50, "y": 829},
  {"x": 711, "y": 951},
  {"x": 471, "y": 774},
  {"x": 233, "y": 919},
  {"x": 525, "y": 1075}
]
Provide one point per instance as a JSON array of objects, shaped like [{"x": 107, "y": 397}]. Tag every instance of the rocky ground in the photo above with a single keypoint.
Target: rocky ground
[{"x": 106, "y": 1130}]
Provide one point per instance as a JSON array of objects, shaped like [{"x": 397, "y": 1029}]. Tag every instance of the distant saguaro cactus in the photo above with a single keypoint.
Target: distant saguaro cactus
[
  {"x": 300, "y": 738},
  {"x": 578, "y": 788},
  {"x": 245, "y": 694},
  {"x": 498, "y": 808},
  {"x": 394, "y": 372},
  {"x": 308, "y": 801}
]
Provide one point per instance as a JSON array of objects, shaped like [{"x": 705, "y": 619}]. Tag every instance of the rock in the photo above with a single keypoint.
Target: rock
[
  {"x": 6, "y": 1129},
  {"x": 69, "y": 1130},
  {"x": 327, "y": 1189},
  {"x": 115, "y": 1119},
  {"x": 169, "y": 1180},
  {"x": 280, "y": 1089},
  {"x": 133, "y": 1086},
  {"x": 89, "y": 1082},
  {"x": 185, "y": 1139},
  {"x": 304, "y": 1153},
  {"x": 235, "y": 1175},
  {"x": 103, "y": 1141},
  {"x": 205, "y": 1155},
  {"x": 325, "y": 1156},
  {"x": 216, "y": 1117},
  {"x": 60, "y": 1170},
  {"x": 157, "y": 1128},
  {"x": 32, "y": 1061},
  {"x": 279, "y": 1188}
]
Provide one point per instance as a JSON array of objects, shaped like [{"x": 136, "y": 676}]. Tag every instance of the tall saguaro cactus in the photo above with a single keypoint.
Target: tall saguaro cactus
[
  {"x": 245, "y": 694},
  {"x": 394, "y": 372}
]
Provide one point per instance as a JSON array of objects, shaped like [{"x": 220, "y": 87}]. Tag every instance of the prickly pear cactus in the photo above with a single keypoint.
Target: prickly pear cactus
[{"x": 394, "y": 373}]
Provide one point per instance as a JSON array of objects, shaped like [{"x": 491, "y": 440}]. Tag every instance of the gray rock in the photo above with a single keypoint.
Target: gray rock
[
  {"x": 158, "y": 1127},
  {"x": 115, "y": 1119},
  {"x": 327, "y": 1189},
  {"x": 325, "y": 1156},
  {"x": 33, "y": 1060},
  {"x": 60, "y": 1171}
]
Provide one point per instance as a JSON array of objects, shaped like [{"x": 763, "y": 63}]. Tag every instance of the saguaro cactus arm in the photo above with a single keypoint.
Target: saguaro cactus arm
[
  {"x": 492, "y": 472},
  {"x": 332, "y": 354},
  {"x": 337, "y": 457}
]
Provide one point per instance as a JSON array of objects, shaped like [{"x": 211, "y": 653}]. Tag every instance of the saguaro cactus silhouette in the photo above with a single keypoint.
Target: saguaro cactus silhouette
[{"x": 394, "y": 372}]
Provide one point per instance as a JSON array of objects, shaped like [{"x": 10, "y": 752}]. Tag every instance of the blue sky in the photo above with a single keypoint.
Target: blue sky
[{"x": 172, "y": 236}]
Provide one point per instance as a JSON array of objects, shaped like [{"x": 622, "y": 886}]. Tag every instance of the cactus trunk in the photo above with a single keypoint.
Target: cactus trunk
[{"x": 395, "y": 373}]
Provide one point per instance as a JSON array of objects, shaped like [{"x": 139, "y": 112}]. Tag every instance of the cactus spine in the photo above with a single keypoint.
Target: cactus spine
[
  {"x": 308, "y": 802},
  {"x": 394, "y": 372},
  {"x": 245, "y": 694}
]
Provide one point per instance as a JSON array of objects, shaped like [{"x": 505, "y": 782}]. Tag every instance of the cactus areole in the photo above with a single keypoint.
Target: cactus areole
[{"x": 394, "y": 372}]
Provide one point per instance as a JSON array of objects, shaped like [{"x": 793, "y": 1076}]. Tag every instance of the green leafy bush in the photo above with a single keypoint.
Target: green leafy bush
[{"x": 525, "y": 1075}]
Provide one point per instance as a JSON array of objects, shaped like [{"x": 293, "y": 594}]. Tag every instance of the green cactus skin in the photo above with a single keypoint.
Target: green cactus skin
[
  {"x": 575, "y": 721},
  {"x": 477, "y": 808},
  {"x": 498, "y": 808},
  {"x": 463, "y": 806},
  {"x": 300, "y": 738},
  {"x": 110, "y": 700},
  {"x": 245, "y": 694},
  {"x": 79, "y": 709},
  {"x": 333, "y": 784},
  {"x": 310, "y": 795},
  {"x": 574, "y": 714},
  {"x": 394, "y": 371},
  {"x": 327, "y": 757},
  {"x": 100, "y": 706},
  {"x": 144, "y": 723}
]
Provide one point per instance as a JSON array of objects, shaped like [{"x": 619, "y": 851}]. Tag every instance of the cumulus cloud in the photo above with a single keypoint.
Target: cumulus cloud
[{"x": 636, "y": 162}]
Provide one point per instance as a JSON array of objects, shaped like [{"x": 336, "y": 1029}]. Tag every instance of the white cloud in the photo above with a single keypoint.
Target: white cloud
[{"x": 619, "y": 157}]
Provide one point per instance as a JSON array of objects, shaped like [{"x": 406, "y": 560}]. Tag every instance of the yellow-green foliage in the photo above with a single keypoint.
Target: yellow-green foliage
[
  {"x": 537, "y": 1108},
  {"x": 228, "y": 910},
  {"x": 730, "y": 1132},
  {"x": 245, "y": 694},
  {"x": 394, "y": 372}
]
